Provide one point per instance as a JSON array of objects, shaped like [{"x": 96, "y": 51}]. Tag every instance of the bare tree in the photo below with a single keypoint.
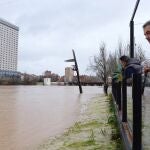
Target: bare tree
[
  {"x": 112, "y": 63},
  {"x": 104, "y": 66},
  {"x": 120, "y": 50},
  {"x": 139, "y": 52},
  {"x": 99, "y": 64}
]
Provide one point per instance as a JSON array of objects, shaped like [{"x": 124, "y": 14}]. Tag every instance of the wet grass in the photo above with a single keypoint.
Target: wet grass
[
  {"x": 112, "y": 121},
  {"x": 96, "y": 129},
  {"x": 81, "y": 144},
  {"x": 88, "y": 142}
]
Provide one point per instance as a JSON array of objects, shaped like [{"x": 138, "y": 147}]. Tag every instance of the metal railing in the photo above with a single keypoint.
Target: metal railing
[{"x": 132, "y": 136}]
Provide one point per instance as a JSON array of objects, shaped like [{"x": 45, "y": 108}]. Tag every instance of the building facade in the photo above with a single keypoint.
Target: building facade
[
  {"x": 47, "y": 73},
  {"x": 8, "y": 48},
  {"x": 69, "y": 73},
  {"x": 47, "y": 81}
]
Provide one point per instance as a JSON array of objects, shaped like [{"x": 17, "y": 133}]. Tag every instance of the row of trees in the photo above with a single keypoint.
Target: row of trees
[{"x": 104, "y": 64}]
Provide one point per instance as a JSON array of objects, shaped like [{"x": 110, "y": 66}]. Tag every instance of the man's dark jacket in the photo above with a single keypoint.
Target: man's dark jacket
[{"x": 133, "y": 67}]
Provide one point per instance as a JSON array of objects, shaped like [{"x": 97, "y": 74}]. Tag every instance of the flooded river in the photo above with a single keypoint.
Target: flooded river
[{"x": 31, "y": 114}]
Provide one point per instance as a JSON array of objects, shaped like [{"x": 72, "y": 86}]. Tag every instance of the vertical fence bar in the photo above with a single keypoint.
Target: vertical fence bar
[
  {"x": 124, "y": 101},
  {"x": 137, "y": 112},
  {"x": 116, "y": 92},
  {"x": 113, "y": 87},
  {"x": 119, "y": 95}
]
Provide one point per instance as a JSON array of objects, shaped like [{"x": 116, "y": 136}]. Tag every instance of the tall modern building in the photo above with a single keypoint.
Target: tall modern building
[{"x": 8, "y": 47}]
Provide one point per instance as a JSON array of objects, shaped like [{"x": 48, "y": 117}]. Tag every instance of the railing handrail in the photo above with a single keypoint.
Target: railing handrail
[{"x": 137, "y": 108}]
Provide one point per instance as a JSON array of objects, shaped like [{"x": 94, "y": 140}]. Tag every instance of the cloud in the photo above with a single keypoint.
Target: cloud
[{"x": 49, "y": 30}]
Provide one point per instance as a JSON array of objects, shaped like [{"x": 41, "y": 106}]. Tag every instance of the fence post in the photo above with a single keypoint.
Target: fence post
[
  {"x": 119, "y": 95},
  {"x": 137, "y": 112},
  {"x": 116, "y": 92},
  {"x": 114, "y": 86},
  {"x": 124, "y": 101}
]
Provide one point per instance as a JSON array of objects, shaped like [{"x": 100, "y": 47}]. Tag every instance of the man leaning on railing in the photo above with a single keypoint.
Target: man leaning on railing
[{"x": 130, "y": 66}]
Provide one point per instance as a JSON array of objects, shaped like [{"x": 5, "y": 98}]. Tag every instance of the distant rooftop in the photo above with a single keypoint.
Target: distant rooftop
[{"x": 4, "y": 22}]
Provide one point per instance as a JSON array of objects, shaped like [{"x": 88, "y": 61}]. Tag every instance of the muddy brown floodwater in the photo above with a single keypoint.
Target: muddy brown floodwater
[{"x": 31, "y": 114}]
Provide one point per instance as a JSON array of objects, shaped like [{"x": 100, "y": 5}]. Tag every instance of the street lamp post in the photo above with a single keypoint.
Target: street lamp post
[
  {"x": 132, "y": 30},
  {"x": 76, "y": 69},
  {"x": 137, "y": 114}
]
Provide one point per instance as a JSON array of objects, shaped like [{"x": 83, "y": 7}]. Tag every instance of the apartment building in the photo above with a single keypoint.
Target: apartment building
[{"x": 8, "y": 48}]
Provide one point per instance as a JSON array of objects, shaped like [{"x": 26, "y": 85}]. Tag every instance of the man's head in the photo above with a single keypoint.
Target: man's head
[
  {"x": 146, "y": 28},
  {"x": 124, "y": 60}
]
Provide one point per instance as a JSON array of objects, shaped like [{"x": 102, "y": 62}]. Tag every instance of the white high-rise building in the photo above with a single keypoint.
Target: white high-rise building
[{"x": 8, "y": 47}]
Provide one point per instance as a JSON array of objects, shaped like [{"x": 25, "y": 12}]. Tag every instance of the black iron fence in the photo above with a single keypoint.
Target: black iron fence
[{"x": 131, "y": 133}]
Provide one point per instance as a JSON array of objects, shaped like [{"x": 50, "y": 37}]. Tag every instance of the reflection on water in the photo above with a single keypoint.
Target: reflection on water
[{"x": 30, "y": 114}]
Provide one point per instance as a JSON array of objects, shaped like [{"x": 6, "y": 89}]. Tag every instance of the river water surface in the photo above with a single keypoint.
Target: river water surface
[{"x": 31, "y": 114}]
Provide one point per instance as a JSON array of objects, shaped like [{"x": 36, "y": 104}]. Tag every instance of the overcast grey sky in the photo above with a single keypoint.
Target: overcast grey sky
[{"x": 50, "y": 29}]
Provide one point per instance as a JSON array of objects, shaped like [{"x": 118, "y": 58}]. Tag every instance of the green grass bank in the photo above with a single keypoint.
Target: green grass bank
[{"x": 96, "y": 129}]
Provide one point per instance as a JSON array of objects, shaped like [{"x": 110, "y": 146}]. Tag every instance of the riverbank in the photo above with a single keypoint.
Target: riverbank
[{"x": 94, "y": 130}]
